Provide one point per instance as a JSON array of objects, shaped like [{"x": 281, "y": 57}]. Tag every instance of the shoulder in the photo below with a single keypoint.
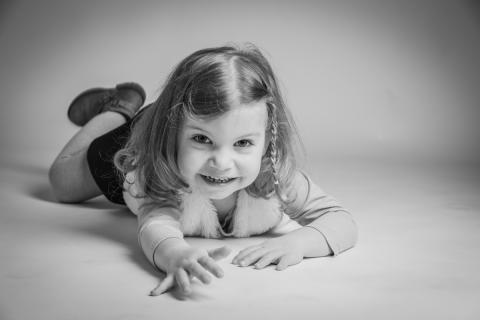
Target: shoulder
[
  {"x": 300, "y": 183},
  {"x": 133, "y": 192},
  {"x": 300, "y": 191},
  {"x": 133, "y": 184}
]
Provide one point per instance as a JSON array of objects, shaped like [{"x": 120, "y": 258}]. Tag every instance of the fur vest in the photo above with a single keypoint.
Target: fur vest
[
  {"x": 198, "y": 216},
  {"x": 250, "y": 216}
]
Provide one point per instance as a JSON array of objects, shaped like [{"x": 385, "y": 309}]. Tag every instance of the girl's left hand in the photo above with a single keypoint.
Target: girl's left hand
[{"x": 282, "y": 251}]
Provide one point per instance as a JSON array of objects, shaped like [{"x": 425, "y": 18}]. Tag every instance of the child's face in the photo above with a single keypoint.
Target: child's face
[{"x": 222, "y": 155}]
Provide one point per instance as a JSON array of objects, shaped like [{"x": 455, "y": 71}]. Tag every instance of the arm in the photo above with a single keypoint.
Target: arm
[
  {"x": 315, "y": 209},
  {"x": 327, "y": 229},
  {"x": 161, "y": 239}
]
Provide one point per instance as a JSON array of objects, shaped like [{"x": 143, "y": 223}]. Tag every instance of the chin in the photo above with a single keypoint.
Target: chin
[
  {"x": 213, "y": 191},
  {"x": 219, "y": 196}
]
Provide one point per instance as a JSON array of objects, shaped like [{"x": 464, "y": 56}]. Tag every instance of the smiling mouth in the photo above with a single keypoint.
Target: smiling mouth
[{"x": 213, "y": 180}]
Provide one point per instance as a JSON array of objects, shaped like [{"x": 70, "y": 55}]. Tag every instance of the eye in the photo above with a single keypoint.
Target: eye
[
  {"x": 200, "y": 138},
  {"x": 243, "y": 143}
]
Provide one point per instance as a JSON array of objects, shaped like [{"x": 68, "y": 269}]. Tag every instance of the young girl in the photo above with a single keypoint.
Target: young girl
[{"x": 211, "y": 157}]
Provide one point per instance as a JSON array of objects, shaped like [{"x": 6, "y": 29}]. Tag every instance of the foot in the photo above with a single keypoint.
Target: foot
[{"x": 125, "y": 98}]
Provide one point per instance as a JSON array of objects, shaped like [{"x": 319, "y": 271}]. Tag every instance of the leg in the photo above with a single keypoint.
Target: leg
[{"x": 69, "y": 174}]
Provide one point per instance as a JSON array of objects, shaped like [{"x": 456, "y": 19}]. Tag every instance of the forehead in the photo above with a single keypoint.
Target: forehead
[{"x": 239, "y": 120}]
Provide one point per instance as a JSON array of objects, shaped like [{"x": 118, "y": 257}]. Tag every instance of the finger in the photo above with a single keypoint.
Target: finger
[
  {"x": 268, "y": 259},
  {"x": 219, "y": 253},
  {"x": 286, "y": 261},
  {"x": 253, "y": 257},
  {"x": 164, "y": 285},
  {"x": 210, "y": 264},
  {"x": 243, "y": 253},
  {"x": 198, "y": 271},
  {"x": 183, "y": 280}
]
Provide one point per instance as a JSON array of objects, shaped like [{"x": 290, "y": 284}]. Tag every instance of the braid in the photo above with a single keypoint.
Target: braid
[
  {"x": 273, "y": 144},
  {"x": 273, "y": 154}
]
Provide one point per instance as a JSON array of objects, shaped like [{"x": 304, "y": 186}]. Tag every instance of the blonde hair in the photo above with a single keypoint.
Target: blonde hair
[{"x": 207, "y": 83}]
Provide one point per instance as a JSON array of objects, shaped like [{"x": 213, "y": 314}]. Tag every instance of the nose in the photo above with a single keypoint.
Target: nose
[{"x": 221, "y": 160}]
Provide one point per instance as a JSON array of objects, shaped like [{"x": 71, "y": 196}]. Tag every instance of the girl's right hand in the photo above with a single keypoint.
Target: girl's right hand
[{"x": 184, "y": 262}]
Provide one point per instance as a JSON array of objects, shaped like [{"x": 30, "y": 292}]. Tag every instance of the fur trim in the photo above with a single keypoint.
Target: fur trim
[
  {"x": 199, "y": 216},
  {"x": 251, "y": 216},
  {"x": 255, "y": 215}
]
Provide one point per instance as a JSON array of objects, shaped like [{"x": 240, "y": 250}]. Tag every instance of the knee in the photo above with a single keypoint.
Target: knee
[{"x": 60, "y": 183}]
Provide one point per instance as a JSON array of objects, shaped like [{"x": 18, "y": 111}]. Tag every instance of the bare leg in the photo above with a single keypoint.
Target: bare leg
[{"x": 69, "y": 174}]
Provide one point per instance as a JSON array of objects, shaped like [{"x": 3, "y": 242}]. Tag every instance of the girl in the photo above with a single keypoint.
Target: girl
[{"x": 211, "y": 157}]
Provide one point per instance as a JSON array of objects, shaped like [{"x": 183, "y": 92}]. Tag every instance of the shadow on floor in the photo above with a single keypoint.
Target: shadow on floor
[
  {"x": 42, "y": 191},
  {"x": 25, "y": 168},
  {"x": 119, "y": 226},
  {"x": 38, "y": 187},
  {"x": 117, "y": 223}
]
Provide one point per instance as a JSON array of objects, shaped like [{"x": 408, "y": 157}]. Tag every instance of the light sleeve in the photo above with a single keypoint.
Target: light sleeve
[
  {"x": 314, "y": 208},
  {"x": 154, "y": 225}
]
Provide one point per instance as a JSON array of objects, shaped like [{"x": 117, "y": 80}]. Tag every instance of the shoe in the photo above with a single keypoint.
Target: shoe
[{"x": 126, "y": 98}]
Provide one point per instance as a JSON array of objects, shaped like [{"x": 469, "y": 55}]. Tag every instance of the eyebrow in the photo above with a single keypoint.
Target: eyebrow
[
  {"x": 243, "y": 136},
  {"x": 189, "y": 126}
]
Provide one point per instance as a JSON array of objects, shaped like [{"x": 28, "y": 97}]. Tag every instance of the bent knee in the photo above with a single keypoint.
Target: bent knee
[
  {"x": 72, "y": 182},
  {"x": 71, "y": 179},
  {"x": 60, "y": 183}
]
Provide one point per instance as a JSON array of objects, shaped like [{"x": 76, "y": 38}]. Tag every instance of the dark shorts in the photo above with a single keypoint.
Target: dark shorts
[
  {"x": 100, "y": 161},
  {"x": 100, "y": 155}
]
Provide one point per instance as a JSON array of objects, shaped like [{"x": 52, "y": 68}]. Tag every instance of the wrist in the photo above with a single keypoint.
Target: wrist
[
  {"x": 320, "y": 246},
  {"x": 165, "y": 252},
  {"x": 296, "y": 241}
]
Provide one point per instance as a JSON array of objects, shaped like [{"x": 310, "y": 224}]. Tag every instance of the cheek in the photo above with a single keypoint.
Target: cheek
[
  {"x": 187, "y": 162},
  {"x": 253, "y": 163},
  {"x": 190, "y": 162},
  {"x": 184, "y": 160}
]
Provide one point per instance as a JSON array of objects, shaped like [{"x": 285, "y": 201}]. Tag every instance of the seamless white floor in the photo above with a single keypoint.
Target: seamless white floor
[{"x": 418, "y": 255}]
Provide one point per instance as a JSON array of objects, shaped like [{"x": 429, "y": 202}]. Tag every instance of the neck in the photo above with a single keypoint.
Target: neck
[{"x": 225, "y": 205}]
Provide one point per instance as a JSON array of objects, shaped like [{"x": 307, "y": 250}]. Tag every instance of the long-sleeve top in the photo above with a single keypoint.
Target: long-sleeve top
[{"x": 251, "y": 216}]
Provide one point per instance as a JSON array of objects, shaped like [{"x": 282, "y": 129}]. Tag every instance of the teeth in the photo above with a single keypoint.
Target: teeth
[{"x": 217, "y": 180}]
